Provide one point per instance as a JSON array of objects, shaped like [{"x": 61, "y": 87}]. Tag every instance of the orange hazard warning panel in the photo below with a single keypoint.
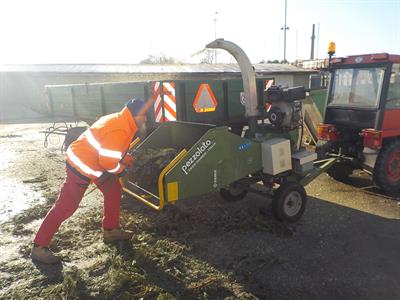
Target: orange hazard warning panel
[{"x": 205, "y": 100}]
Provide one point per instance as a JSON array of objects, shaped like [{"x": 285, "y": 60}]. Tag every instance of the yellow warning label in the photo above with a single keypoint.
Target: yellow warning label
[{"x": 172, "y": 189}]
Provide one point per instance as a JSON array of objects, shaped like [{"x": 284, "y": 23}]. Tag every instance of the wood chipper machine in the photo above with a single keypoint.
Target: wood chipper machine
[{"x": 266, "y": 158}]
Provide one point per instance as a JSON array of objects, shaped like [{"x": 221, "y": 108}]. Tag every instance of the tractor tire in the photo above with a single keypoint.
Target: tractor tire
[
  {"x": 289, "y": 202},
  {"x": 233, "y": 194},
  {"x": 340, "y": 171},
  {"x": 387, "y": 168}
]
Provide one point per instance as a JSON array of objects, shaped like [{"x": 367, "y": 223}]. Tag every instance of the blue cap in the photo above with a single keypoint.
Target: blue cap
[{"x": 135, "y": 106}]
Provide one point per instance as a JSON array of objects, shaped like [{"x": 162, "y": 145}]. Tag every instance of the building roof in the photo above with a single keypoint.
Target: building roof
[{"x": 150, "y": 69}]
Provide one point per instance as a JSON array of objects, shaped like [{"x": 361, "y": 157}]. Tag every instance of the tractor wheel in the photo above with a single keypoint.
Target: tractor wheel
[
  {"x": 387, "y": 168},
  {"x": 340, "y": 171},
  {"x": 289, "y": 202},
  {"x": 232, "y": 193}
]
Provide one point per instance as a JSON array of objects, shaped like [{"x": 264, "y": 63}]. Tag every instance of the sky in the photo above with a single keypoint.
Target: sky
[{"x": 122, "y": 31}]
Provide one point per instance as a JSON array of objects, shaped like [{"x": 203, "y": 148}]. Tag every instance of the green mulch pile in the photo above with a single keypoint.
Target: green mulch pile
[
  {"x": 148, "y": 165},
  {"x": 153, "y": 265}
]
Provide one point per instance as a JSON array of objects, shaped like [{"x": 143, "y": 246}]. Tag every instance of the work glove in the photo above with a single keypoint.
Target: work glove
[{"x": 127, "y": 160}]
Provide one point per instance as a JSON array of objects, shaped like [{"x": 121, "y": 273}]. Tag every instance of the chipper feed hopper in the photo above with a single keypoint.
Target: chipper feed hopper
[{"x": 266, "y": 159}]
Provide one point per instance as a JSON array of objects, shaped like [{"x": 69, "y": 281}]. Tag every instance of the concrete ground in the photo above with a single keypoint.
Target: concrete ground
[{"x": 346, "y": 246}]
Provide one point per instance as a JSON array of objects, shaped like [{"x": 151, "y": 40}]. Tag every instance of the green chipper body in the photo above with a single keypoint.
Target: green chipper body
[
  {"x": 211, "y": 158},
  {"x": 216, "y": 160}
]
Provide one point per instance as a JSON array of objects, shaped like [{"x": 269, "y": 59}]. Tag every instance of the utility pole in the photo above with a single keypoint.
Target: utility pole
[
  {"x": 312, "y": 41},
  {"x": 297, "y": 32},
  {"x": 215, "y": 34},
  {"x": 317, "y": 40},
  {"x": 284, "y": 28}
]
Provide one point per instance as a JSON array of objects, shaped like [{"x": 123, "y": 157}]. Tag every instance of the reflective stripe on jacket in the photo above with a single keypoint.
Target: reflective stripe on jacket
[{"x": 101, "y": 147}]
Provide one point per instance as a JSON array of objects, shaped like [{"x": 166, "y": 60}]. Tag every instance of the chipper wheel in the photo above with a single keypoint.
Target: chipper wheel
[
  {"x": 233, "y": 193},
  {"x": 289, "y": 202}
]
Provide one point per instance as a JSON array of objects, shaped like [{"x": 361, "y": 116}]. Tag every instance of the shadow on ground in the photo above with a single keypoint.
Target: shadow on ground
[
  {"x": 363, "y": 181},
  {"x": 333, "y": 252}
]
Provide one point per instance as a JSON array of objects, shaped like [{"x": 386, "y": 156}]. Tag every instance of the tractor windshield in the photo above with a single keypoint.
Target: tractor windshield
[{"x": 356, "y": 87}]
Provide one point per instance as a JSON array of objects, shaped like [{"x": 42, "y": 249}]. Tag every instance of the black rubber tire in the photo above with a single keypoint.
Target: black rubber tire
[
  {"x": 232, "y": 197},
  {"x": 280, "y": 202},
  {"x": 340, "y": 171},
  {"x": 380, "y": 174}
]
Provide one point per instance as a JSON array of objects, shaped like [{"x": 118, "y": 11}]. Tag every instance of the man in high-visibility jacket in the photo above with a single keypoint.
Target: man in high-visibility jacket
[{"x": 97, "y": 156}]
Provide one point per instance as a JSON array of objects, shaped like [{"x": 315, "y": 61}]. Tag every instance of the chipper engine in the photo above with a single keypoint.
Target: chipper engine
[{"x": 267, "y": 158}]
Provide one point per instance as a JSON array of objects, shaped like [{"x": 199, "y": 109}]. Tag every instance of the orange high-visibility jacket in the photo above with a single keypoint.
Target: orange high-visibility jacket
[{"x": 102, "y": 146}]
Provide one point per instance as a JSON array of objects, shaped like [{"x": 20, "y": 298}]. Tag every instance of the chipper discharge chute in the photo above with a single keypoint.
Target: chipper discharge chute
[{"x": 181, "y": 160}]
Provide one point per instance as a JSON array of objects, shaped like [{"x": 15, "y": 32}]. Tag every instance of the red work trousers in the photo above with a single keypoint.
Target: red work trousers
[{"x": 68, "y": 201}]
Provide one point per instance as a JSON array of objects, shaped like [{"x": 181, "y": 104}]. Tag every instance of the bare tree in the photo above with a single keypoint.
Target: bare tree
[{"x": 162, "y": 59}]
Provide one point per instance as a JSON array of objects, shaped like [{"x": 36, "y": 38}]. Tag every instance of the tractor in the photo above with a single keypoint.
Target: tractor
[{"x": 361, "y": 125}]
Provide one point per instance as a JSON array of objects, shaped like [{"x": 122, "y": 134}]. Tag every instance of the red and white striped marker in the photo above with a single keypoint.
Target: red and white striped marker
[
  {"x": 164, "y": 111},
  {"x": 268, "y": 83}
]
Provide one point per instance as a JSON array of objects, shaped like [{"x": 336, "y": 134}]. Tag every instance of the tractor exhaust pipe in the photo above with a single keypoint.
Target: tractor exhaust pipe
[{"x": 248, "y": 76}]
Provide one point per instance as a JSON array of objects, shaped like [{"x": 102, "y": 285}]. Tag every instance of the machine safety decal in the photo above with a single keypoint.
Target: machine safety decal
[
  {"x": 268, "y": 84},
  {"x": 215, "y": 179},
  {"x": 244, "y": 146},
  {"x": 242, "y": 99},
  {"x": 205, "y": 100},
  {"x": 197, "y": 156}
]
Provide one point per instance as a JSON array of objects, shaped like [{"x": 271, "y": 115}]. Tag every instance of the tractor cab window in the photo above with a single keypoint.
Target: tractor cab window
[
  {"x": 356, "y": 87},
  {"x": 393, "y": 96}
]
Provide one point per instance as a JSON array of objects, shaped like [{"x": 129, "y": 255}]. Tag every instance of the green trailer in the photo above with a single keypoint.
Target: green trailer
[
  {"x": 177, "y": 100},
  {"x": 319, "y": 98},
  {"x": 223, "y": 102}
]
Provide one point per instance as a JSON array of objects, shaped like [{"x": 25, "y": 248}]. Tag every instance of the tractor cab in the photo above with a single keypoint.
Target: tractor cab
[
  {"x": 358, "y": 90},
  {"x": 363, "y": 98},
  {"x": 362, "y": 115}
]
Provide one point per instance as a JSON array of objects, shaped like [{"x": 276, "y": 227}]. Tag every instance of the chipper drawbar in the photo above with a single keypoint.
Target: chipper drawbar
[{"x": 266, "y": 159}]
